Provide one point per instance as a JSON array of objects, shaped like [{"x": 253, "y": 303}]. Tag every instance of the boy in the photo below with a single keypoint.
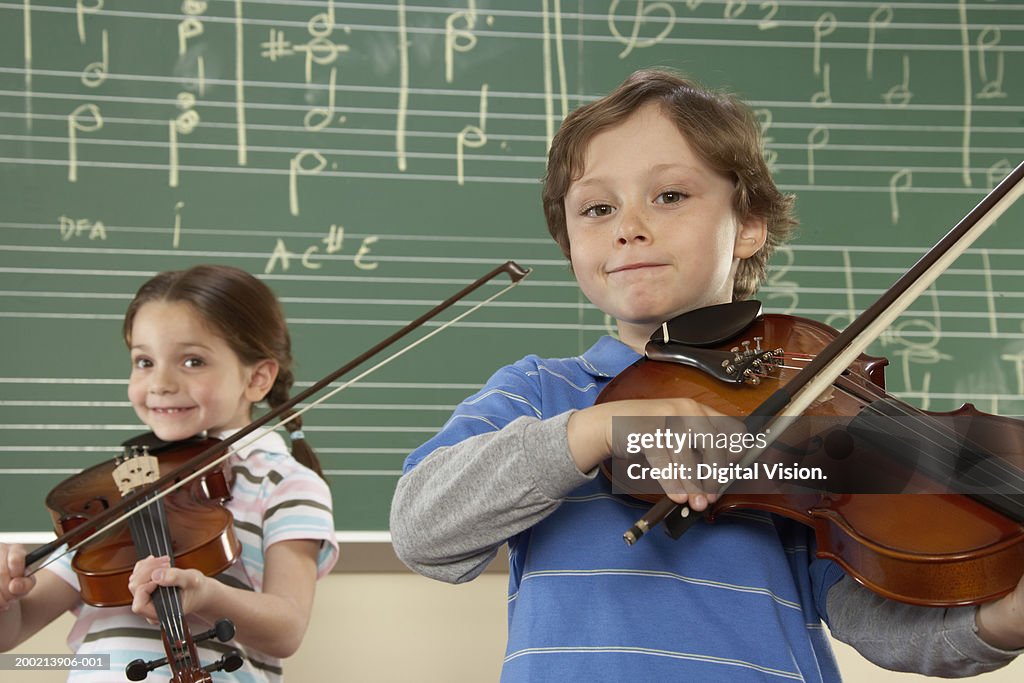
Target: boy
[{"x": 660, "y": 198}]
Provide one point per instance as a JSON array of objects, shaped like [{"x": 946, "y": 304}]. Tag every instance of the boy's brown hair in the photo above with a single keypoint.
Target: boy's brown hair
[{"x": 723, "y": 132}]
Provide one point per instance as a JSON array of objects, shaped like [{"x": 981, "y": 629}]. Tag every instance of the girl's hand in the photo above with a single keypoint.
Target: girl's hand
[
  {"x": 153, "y": 572},
  {"x": 14, "y": 585},
  {"x": 1001, "y": 622}
]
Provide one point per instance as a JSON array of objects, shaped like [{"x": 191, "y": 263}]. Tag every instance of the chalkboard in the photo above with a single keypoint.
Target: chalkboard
[{"x": 368, "y": 159}]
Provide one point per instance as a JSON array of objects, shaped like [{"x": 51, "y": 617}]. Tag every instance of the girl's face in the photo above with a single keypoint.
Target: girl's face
[
  {"x": 651, "y": 227},
  {"x": 185, "y": 378}
]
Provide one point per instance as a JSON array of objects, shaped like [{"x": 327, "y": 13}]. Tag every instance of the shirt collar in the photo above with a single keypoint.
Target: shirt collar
[
  {"x": 608, "y": 357},
  {"x": 270, "y": 442}
]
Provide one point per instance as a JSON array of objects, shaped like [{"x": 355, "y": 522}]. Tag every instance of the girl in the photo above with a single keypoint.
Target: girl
[{"x": 206, "y": 345}]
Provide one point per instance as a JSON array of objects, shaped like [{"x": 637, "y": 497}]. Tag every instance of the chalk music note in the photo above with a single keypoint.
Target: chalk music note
[
  {"x": 901, "y": 181},
  {"x": 880, "y": 18},
  {"x": 473, "y": 137},
  {"x": 80, "y": 11},
  {"x": 295, "y": 169},
  {"x": 318, "y": 118},
  {"x": 764, "y": 118},
  {"x": 823, "y": 97},
  {"x": 988, "y": 39},
  {"x": 85, "y": 118},
  {"x": 816, "y": 139},
  {"x": 184, "y": 123},
  {"x": 95, "y": 73},
  {"x": 823, "y": 27},
  {"x": 459, "y": 39},
  {"x": 899, "y": 95},
  {"x": 841, "y": 320},
  {"x": 781, "y": 288},
  {"x": 640, "y": 17}
]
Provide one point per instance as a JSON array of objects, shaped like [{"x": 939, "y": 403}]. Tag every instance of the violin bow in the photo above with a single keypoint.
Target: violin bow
[
  {"x": 211, "y": 457},
  {"x": 790, "y": 401}
]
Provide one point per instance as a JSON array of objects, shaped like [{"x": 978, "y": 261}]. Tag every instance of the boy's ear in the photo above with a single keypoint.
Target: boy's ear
[
  {"x": 261, "y": 379},
  {"x": 750, "y": 237}
]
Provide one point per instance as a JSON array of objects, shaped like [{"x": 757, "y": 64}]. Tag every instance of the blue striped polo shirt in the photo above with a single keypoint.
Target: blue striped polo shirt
[{"x": 740, "y": 599}]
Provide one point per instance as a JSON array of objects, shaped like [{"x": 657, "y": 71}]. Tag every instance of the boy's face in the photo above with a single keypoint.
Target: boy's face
[{"x": 651, "y": 227}]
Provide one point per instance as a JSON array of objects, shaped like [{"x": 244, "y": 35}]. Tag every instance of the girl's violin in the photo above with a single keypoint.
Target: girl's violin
[
  {"x": 935, "y": 546},
  {"x": 190, "y": 525}
]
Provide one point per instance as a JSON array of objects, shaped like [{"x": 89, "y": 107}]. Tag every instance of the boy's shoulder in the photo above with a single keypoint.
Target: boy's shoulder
[{"x": 605, "y": 359}]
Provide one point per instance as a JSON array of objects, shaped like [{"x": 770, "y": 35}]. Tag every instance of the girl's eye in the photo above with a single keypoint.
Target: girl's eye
[
  {"x": 597, "y": 210},
  {"x": 194, "y": 362},
  {"x": 670, "y": 197}
]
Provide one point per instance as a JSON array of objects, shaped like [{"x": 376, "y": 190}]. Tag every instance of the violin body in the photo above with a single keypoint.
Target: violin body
[
  {"x": 930, "y": 547},
  {"x": 202, "y": 535}
]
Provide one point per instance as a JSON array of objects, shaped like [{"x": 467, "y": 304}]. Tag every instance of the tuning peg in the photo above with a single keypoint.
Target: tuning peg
[
  {"x": 138, "y": 669},
  {"x": 223, "y": 630},
  {"x": 231, "y": 661}
]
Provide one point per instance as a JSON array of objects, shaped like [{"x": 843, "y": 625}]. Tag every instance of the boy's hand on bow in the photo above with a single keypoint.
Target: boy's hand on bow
[{"x": 593, "y": 439}]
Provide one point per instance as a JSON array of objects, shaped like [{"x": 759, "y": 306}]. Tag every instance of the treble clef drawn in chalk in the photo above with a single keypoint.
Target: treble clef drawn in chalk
[{"x": 644, "y": 13}]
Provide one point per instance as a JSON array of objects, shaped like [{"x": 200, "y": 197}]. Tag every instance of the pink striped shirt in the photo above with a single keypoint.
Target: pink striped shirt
[{"x": 274, "y": 498}]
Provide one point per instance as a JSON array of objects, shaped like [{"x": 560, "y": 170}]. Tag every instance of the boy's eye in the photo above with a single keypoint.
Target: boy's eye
[
  {"x": 670, "y": 197},
  {"x": 597, "y": 210},
  {"x": 141, "y": 363}
]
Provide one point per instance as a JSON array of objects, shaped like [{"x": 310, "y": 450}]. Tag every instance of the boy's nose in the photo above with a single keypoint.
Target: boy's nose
[{"x": 632, "y": 228}]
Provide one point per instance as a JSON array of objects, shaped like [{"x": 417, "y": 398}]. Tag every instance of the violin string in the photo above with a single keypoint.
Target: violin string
[
  {"x": 1009, "y": 473},
  {"x": 146, "y": 536},
  {"x": 170, "y": 596},
  {"x": 992, "y": 465},
  {"x": 266, "y": 429}
]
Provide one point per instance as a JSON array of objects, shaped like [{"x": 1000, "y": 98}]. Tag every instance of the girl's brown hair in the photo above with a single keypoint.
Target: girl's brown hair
[
  {"x": 245, "y": 312},
  {"x": 722, "y": 131}
]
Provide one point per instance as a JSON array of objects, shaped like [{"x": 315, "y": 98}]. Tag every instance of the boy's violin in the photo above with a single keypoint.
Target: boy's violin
[
  {"x": 929, "y": 547},
  {"x": 933, "y": 548}
]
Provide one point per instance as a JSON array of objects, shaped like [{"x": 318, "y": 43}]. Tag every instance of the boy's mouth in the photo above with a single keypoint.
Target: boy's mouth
[{"x": 634, "y": 266}]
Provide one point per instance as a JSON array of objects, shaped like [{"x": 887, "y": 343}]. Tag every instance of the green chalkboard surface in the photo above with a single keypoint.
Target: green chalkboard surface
[{"x": 370, "y": 158}]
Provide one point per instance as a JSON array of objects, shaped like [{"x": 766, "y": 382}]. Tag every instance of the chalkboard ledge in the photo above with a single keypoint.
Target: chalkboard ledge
[{"x": 361, "y": 551}]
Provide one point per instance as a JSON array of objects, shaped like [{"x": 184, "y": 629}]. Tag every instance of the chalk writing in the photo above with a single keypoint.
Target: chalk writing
[
  {"x": 899, "y": 95},
  {"x": 473, "y": 137},
  {"x": 901, "y": 181},
  {"x": 95, "y": 73},
  {"x": 84, "y": 118},
  {"x": 644, "y": 11},
  {"x": 71, "y": 228},
  {"x": 992, "y": 83},
  {"x": 281, "y": 257},
  {"x": 295, "y": 169},
  {"x": 880, "y": 18}
]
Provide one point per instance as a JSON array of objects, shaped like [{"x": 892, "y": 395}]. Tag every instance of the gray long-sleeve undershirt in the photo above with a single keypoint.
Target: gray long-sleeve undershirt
[{"x": 454, "y": 510}]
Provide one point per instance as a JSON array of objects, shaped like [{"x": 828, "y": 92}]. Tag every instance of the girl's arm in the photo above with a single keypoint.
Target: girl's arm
[
  {"x": 28, "y": 604},
  {"x": 273, "y": 622}
]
